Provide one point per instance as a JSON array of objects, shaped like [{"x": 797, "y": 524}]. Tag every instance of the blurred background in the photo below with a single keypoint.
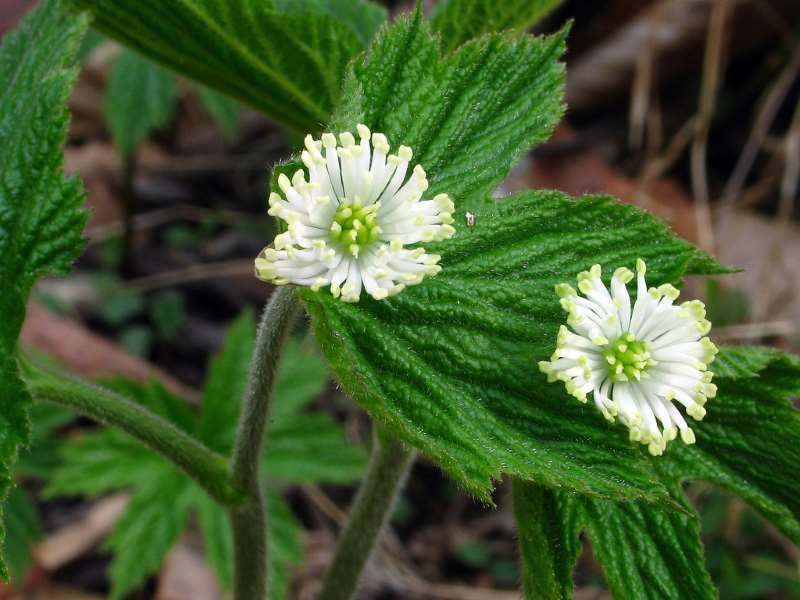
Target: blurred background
[{"x": 689, "y": 108}]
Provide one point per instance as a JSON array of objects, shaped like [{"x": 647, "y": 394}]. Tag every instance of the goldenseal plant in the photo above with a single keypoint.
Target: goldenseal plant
[
  {"x": 349, "y": 222},
  {"x": 635, "y": 361}
]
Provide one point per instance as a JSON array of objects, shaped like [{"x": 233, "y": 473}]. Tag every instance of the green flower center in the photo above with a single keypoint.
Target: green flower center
[
  {"x": 628, "y": 359},
  {"x": 354, "y": 226}
]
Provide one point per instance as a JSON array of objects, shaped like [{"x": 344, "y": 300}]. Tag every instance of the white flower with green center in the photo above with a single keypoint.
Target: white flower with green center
[
  {"x": 637, "y": 361},
  {"x": 349, "y": 222}
]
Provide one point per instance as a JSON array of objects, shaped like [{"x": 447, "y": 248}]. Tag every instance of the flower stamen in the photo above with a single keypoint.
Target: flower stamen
[
  {"x": 350, "y": 217},
  {"x": 637, "y": 361}
]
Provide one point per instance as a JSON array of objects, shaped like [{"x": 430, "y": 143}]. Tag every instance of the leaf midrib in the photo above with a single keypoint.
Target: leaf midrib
[{"x": 258, "y": 64}]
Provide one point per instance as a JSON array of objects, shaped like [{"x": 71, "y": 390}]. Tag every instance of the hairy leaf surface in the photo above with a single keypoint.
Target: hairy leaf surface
[
  {"x": 548, "y": 541},
  {"x": 42, "y": 456},
  {"x": 461, "y": 20},
  {"x": 450, "y": 365},
  {"x": 23, "y": 528},
  {"x": 141, "y": 97},
  {"x": 749, "y": 442},
  {"x": 21, "y": 520},
  {"x": 467, "y": 116},
  {"x": 41, "y": 219},
  {"x": 746, "y": 443},
  {"x": 285, "y": 63},
  {"x": 361, "y": 16},
  {"x": 646, "y": 551}
]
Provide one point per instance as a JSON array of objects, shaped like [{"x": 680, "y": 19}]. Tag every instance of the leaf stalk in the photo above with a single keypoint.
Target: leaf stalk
[{"x": 206, "y": 467}]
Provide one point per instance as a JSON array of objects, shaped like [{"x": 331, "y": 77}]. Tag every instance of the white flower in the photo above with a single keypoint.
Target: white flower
[
  {"x": 349, "y": 223},
  {"x": 637, "y": 362}
]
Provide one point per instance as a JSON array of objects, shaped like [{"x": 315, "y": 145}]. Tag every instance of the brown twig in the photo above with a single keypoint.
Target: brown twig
[
  {"x": 766, "y": 115},
  {"x": 89, "y": 354},
  {"x": 327, "y": 506},
  {"x": 791, "y": 172},
  {"x": 643, "y": 77},
  {"x": 755, "y": 331},
  {"x": 169, "y": 214},
  {"x": 660, "y": 164},
  {"x": 712, "y": 68},
  {"x": 217, "y": 270}
]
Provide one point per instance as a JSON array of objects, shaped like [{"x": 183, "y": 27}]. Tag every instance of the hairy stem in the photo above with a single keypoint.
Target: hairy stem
[
  {"x": 249, "y": 519},
  {"x": 205, "y": 466},
  {"x": 388, "y": 467}
]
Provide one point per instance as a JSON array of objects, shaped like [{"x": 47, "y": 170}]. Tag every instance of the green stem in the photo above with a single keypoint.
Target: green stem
[
  {"x": 249, "y": 519},
  {"x": 205, "y": 466},
  {"x": 388, "y": 467}
]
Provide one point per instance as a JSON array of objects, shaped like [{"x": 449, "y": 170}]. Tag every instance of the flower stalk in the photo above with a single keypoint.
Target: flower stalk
[
  {"x": 248, "y": 519},
  {"x": 386, "y": 474}
]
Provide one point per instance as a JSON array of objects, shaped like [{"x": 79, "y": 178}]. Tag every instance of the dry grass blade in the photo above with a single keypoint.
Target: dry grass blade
[
  {"x": 766, "y": 115},
  {"x": 75, "y": 539},
  {"x": 223, "y": 269},
  {"x": 712, "y": 68},
  {"x": 791, "y": 172},
  {"x": 643, "y": 81},
  {"x": 753, "y": 332}
]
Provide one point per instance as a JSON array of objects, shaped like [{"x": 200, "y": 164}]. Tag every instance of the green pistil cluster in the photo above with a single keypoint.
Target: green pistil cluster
[
  {"x": 354, "y": 226},
  {"x": 628, "y": 359}
]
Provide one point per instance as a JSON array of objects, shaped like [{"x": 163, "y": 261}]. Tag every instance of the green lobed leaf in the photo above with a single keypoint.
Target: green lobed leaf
[
  {"x": 154, "y": 519},
  {"x": 302, "y": 377},
  {"x": 296, "y": 443},
  {"x": 42, "y": 456},
  {"x": 288, "y": 65},
  {"x": 40, "y": 459},
  {"x": 107, "y": 460},
  {"x": 469, "y": 116},
  {"x": 745, "y": 362},
  {"x": 646, "y": 551},
  {"x": 158, "y": 399},
  {"x": 215, "y": 527},
  {"x": 141, "y": 98},
  {"x": 749, "y": 442},
  {"x": 449, "y": 365},
  {"x": 225, "y": 385},
  {"x": 548, "y": 541},
  {"x": 225, "y": 111},
  {"x": 100, "y": 462},
  {"x": 361, "y": 16},
  {"x": 23, "y": 528},
  {"x": 41, "y": 219},
  {"x": 461, "y": 20}
]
